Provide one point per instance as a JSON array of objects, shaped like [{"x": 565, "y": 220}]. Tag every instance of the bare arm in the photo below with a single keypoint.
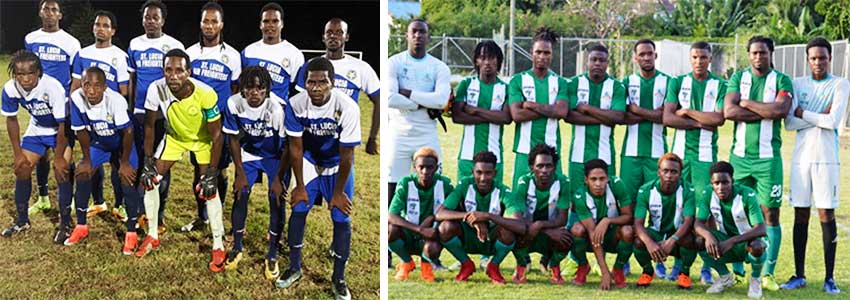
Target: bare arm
[
  {"x": 376, "y": 116},
  {"x": 150, "y": 121},
  {"x": 124, "y": 90},
  {"x": 75, "y": 84},
  {"x": 607, "y": 116},
  {"x": 296, "y": 159},
  {"x": 131, "y": 93},
  {"x": 520, "y": 114},
  {"x": 671, "y": 119},
  {"x": 776, "y": 110},
  {"x": 733, "y": 111},
  {"x": 559, "y": 110},
  {"x": 652, "y": 115},
  {"x": 214, "y": 128},
  {"x": 346, "y": 159},
  {"x": 460, "y": 116},
  {"x": 625, "y": 217},
  {"x": 713, "y": 119},
  {"x": 14, "y": 131},
  {"x": 445, "y": 214},
  {"x": 754, "y": 233},
  {"x": 580, "y": 118}
]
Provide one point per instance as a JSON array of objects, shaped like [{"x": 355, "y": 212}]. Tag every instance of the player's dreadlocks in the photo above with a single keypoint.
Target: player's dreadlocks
[
  {"x": 543, "y": 149},
  {"x": 488, "y": 49},
  {"x": 246, "y": 79},
  {"x": 24, "y": 56},
  {"x": 545, "y": 34},
  {"x": 217, "y": 7}
]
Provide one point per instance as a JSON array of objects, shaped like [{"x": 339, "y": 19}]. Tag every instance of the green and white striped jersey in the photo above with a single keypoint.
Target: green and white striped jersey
[
  {"x": 415, "y": 203},
  {"x": 759, "y": 139},
  {"x": 594, "y": 141},
  {"x": 704, "y": 96},
  {"x": 646, "y": 139},
  {"x": 542, "y": 205},
  {"x": 526, "y": 87},
  {"x": 664, "y": 213},
  {"x": 480, "y": 137}
]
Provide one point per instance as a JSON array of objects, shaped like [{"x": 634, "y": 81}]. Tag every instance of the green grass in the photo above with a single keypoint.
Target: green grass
[
  {"x": 539, "y": 287},
  {"x": 31, "y": 267}
]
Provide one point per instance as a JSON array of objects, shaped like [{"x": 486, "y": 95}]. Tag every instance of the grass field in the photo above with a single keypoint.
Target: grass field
[
  {"x": 538, "y": 286},
  {"x": 31, "y": 267}
]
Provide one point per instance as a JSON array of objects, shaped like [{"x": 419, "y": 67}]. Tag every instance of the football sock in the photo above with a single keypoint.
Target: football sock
[
  {"x": 295, "y": 238},
  {"x": 400, "y": 249},
  {"x": 116, "y": 186},
  {"x": 216, "y": 223},
  {"x": 277, "y": 213},
  {"x": 757, "y": 264},
  {"x": 717, "y": 266},
  {"x": 341, "y": 248},
  {"x": 688, "y": 257},
  {"x": 738, "y": 268},
  {"x": 455, "y": 248},
  {"x": 97, "y": 186},
  {"x": 624, "y": 251},
  {"x": 801, "y": 237},
  {"x": 556, "y": 258},
  {"x": 65, "y": 192},
  {"x": 42, "y": 170},
  {"x": 580, "y": 250},
  {"x": 774, "y": 237},
  {"x": 237, "y": 219},
  {"x": 82, "y": 195},
  {"x": 23, "y": 191},
  {"x": 151, "y": 203},
  {"x": 502, "y": 250},
  {"x": 521, "y": 256},
  {"x": 131, "y": 205},
  {"x": 829, "y": 244}
]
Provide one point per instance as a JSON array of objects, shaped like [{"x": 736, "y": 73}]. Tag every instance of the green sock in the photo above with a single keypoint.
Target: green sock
[
  {"x": 521, "y": 254},
  {"x": 425, "y": 257},
  {"x": 624, "y": 251},
  {"x": 501, "y": 251},
  {"x": 688, "y": 257},
  {"x": 738, "y": 268},
  {"x": 399, "y": 249},
  {"x": 757, "y": 263},
  {"x": 456, "y": 249},
  {"x": 556, "y": 258},
  {"x": 580, "y": 250},
  {"x": 717, "y": 266},
  {"x": 705, "y": 266},
  {"x": 643, "y": 259},
  {"x": 677, "y": 262},
  {"x": 774, "y": 239}
]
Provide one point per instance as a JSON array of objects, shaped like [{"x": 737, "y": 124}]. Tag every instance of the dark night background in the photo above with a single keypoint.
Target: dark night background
[{"x": 304, "y": 23}]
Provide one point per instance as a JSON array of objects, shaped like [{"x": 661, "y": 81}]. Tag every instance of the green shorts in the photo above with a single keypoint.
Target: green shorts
[
  {"x": 762, "y": 175},
  {"x": 698, "y": 173},
  {"x": 577, "y": 174},
  {"x": 635, "y": 171},
  {"x": 472, "y": 245},
  {"x": 464, "y": 169},
  {"x": 738, "y": 253},
  {"x": 412, "y": 241},
  {"x": 521, "y": 168}
]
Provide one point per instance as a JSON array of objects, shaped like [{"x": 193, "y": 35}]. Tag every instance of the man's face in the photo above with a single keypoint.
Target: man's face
[
  {"x": 255, "y": 93},
  {"x": 318, "y": 87},
  {"x": 418, "y": 35},
  {"x": 669, "y": 171},
  {"x": 541, "y": 54},
  {"x": 597, "y": 63},
  {"x": 93, "y": 87},
  {"x": 271, "y": 24},
  {"x": 102, "y": 29},
  {"x": 425, "y": 168},
  {"x": 487, "y": 65},
  {"x": 700, "y": 59},
  {"x": 759, "y": 56},
  {"x": 26, "y": 75},
  {"x": 597, "y": 181},
  {"x": 645, "y": 56},
  {"x": 175, "y": 72},
  {"x": 211, "y": 23},
  {"x": 335, "y": 36},
  {"x": 50, "y": 14},
  {"x": 543, "y": 169},
  {"x": 819, "y": 59},
  {"x": 152, "y": 20},
  {"x": 721, "y": 183},
  {"x": 483, "y": 173}
]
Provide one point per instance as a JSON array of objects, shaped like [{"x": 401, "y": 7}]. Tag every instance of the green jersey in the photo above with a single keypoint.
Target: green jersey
[
  {"x": 594, "y": 141},
  {"x": 586, "y": 205},
  {"x": 542, "y": 205},
  {"x": 646, "y": 139},
  {"x": 666, "y": 212},
  {"x": 482, "y": 136},
  {"x": 527, "y": 87},
  {"x": 733, "y": 217},
  {"x": 498, "y": 201},
  {"x": 759, "y": 139},
  {"x": 415, "y": 203},
  {"x": 705, "y": 96}
]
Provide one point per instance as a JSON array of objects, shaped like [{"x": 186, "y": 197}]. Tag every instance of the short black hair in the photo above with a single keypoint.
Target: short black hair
[
  {"x": 545, "y": 34},
  {"x": 597, "y": 47},
  {"x": 819, "y": 42},
  {"x": 595, "y": 164},
  {"x": 97, "y": 71},
  {"x": 154, "y": 3},
  {"x": 544, "y": 149},
  {"x": 701, "y": 45},
  {"x": 246, "y": 79},
  {"x": 320, "y": 63},
  {"x": 488, "y": 48},
  {"x": 760, "y": 39},
  {"x": 485, "y": 157},
  {"x": 178, "y": 53},
  {"x": 272, "y": 6},
  {"x": 722, "y": 167},
  {"x": 24, "y": 55},
  {"x": 113, "y": 21},
  {"x": 643, "y": 41},
  {"x": 42, "y": 2}
]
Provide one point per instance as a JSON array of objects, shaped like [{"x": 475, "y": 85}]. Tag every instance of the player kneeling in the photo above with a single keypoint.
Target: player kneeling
[
  {"x": 101, "y": 122},
  {"x": 486, "y": 224},
  {"x": 413, "y": 226},
  {"x": 740, "y": 229},
  {"x": 546, "y": 195}
]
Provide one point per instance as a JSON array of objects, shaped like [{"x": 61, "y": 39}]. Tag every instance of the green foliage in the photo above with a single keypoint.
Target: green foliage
[
  {"x": 707, "y": 18},
  {"x": 787, "y": 22},
  {"x": 83, "y": 18},
  {"x": 836, "y": 22}
]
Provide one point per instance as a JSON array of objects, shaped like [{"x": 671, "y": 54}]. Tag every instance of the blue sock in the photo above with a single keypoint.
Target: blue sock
[
  {"x": 116, "y": 186},
  {"x": 23, "y": 191},
  {"x": 65, "y": 192},
  {"x": 295, "y": 238},
  {"x": 342, "y": 248},
  {"x": 237, "y": 218},
  {"x": 132, "y": 206},
  {"x": 97, "y": 186},
  {"x": 42, "y": 170},
  {"x": 82, "y": 195},
  {"x": 277, "y": 213},
  {"x": 164, "y": 185}
]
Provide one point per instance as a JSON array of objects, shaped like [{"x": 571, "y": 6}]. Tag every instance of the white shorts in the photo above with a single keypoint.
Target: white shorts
[
  {"x": 400, "y": 154},
  {"x": 814, "y": 181}
]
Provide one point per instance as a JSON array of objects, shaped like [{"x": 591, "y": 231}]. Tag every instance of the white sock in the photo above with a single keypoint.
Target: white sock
[
  {"x": 216, "y": 223},
  {"x": 152, "y": 211}
]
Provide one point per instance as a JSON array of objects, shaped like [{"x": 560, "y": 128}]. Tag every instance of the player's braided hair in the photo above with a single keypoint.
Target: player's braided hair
[
  {"x": 544, "y": 149},
  {"x": 246, "y": 79},
  {"x": 485, "y": 157},
  {"x": 545, "y": 34},
  {"x": 819, "y": 42},
  {"x": 155, "y": 3},
  {"x": 595, "y": 164},
  {"x": 761, "y": 39},
  {"x": 722, "y": 167},
  {"x": 488, "y": 49},
  {"x": 24, "y": 55},
  {"x": 217, "y": 7}
]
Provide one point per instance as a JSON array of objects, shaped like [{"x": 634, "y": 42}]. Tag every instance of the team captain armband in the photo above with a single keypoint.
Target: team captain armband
[
  {"x": 212, "y": 113},
  {"x": 783, "y": 93}
]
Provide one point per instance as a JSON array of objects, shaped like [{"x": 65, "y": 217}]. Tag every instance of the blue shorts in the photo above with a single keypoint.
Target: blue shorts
[
  {"x": 100, "y": 157},
  {"x": 266, "y": 165},
  {"x": 38, "y": 144},
  {"x": 320, "y": 185}
]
